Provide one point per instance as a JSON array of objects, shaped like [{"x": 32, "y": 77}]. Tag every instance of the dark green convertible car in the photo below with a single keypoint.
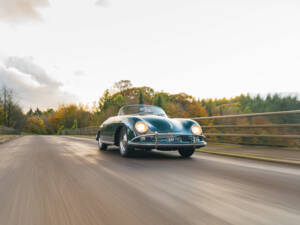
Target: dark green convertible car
[{"x": 148, "y": 127}]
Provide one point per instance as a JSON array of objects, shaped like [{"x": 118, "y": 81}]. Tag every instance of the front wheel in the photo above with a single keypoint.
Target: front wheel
[
  {"x": 125, "y": 150},
  {"x": 101, "y": 145},
  {"x": 186, "y": 152}
]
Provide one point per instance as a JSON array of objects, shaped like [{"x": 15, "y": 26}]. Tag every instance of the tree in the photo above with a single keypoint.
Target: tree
[
  {"x": 37, "y": 112},
  {"x": 35, "y": 124},
  {"x": 122, "y": 85},
  {"x": 70, "y": 116},
  {"x": 75, "y": 125},
  {"x": 104, "y": 100},
  {"x": 7, "y": 104},
  {"x": 1, "y": 115},
  {"x": 141, "y": 99},
  {"x": 30, "y": 112},
  {"x": 196, "y": 110},
  {"x": 48, "y": 111},
  {"x": 11, "y": 114},
  {"x": 158, "y": 101}
]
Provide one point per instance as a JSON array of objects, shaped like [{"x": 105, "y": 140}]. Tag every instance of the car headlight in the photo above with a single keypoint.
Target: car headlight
[
  {"x": 196, "y": 129},
  {"x": 141, "y": 127}
]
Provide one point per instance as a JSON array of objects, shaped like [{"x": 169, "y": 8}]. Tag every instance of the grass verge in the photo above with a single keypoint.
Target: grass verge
[{"x": 4, "y": 138}]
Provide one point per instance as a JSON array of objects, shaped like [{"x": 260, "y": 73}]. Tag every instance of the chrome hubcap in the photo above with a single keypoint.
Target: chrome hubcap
[
  {"x": 99, "y": 143},
  {"x": 123, "y": 143}
]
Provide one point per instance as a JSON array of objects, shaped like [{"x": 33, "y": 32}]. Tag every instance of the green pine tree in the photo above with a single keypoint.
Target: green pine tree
[
  {"x": 159, "y": 101},
  {"x": 141, "y": 99}
]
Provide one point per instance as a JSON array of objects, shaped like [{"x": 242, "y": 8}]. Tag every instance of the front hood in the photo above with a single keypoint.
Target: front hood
[{"x": 166, "y": 125}]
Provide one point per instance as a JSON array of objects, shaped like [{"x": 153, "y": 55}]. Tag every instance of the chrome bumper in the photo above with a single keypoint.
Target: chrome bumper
[{"x": 168, "y": 142}]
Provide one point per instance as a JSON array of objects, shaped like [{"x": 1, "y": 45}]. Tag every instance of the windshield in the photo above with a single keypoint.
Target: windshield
[{"x": 142, "y": 110}]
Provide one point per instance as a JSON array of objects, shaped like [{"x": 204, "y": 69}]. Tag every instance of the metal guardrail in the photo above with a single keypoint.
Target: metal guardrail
[
  {"x": 253, "y": 126},
  {"x": 8, "y": 130},
  {"x": 248, "y": 115},
  {"x": 81, "y": 131},
  {"x": 253, "y": 135},
  {"x": 288, "y": 134}
]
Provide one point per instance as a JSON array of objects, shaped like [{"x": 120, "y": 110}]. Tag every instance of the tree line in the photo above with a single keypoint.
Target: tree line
[
  {"x": 11, "y": 114},
  {"x": 72, "y": 116}
]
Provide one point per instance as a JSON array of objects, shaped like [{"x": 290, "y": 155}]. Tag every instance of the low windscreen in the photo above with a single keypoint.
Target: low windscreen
[{"x": 142, "y": 110}]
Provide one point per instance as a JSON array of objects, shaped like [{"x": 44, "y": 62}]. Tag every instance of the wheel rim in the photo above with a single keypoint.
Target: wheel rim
[
  {"x": 123, "y": 143},
  {"x": 99, "y": 143}
]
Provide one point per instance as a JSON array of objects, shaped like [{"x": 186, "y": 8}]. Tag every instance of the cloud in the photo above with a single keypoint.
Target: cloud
[
  {"x": 103, "y": 3},
  {"x": 79, "y": 73},
  {"x": 32, "y": 85},
  {"x": 26, "y": 65},
  {"x": 20, "y": 10}
]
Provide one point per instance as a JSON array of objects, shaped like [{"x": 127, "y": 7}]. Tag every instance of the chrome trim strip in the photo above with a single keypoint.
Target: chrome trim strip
[
  {"x": 166, "y": 145},
  {"x": 156, "y": 135},
  {"x": 194, "y": 140},
  {"x": 156, "y": 139}
]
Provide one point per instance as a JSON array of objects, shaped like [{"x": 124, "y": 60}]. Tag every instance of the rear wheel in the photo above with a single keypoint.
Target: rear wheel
[
  {"x": 125, "y": 150},
  {"x": 101, "y": 145},
  {"x": 186, "y": 152}
]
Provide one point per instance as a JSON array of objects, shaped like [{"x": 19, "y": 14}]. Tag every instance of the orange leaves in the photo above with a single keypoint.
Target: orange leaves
[
  {"x": 35, "y": 125},
  {"x": 65, "y": 116}
]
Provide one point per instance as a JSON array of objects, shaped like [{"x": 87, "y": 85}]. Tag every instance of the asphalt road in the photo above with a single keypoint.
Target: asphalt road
[{"x": 64, "y": 180}]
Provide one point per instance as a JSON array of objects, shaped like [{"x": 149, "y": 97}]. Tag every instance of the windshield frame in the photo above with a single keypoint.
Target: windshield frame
[{"x": 122, "y": 113}]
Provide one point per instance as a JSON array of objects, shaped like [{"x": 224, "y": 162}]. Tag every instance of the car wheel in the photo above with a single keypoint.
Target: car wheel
[
  {"x": 186, "y": 152},
  {"x": 125, "y": 150},
  {"x": 101, "y": 145}
]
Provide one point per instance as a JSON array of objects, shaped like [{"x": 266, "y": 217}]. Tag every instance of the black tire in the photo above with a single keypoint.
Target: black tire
[
  {"x": 186, "y": 152},
  {"x": 101, "y": 145},
  {"x": 125, "y": 150}
]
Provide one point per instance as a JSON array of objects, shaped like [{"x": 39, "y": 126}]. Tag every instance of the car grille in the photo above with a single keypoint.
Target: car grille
[{"x": 169, "y": 139}]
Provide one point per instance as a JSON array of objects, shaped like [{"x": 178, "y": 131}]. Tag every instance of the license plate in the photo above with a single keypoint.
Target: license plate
[{"x": 171, "y": 139}]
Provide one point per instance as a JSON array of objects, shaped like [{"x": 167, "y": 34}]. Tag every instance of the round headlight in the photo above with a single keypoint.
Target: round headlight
[
  {"x": 196, "y": 129},
  {"x": 141, "y": 127}
]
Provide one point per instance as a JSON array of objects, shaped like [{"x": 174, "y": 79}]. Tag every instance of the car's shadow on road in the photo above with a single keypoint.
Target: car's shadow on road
[{"x": 146, "y": 155}]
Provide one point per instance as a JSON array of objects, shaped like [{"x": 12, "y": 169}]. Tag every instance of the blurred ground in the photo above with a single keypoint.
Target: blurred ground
[
  {"x": 265, "y": 153},
  {"x": 66, "y": 180}
]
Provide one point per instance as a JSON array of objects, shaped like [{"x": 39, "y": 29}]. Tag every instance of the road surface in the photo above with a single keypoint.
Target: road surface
[{"x": 65, "y": 180}]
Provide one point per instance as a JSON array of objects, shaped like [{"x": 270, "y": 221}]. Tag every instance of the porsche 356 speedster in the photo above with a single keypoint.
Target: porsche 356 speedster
[{"x": 148, "y": 127}]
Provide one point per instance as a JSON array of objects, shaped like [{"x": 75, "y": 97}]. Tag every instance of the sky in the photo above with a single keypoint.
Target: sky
[{"x": 63, "y": 51}]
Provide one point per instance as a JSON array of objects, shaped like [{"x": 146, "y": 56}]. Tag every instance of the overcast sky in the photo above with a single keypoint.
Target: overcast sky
[{"x": 71, "y": 51}]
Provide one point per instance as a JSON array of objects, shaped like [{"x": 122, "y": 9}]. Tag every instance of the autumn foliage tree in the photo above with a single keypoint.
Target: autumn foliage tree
[{"x": 70, "y": 116}]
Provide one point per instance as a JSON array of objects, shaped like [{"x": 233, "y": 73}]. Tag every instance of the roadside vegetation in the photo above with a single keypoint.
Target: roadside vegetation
[
  {"x": 4, "y": 138},
  {"x": 52, "y": 121}
]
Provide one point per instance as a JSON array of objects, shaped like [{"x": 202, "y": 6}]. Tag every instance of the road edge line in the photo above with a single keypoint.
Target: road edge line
[{"x": 274, "y": 160}]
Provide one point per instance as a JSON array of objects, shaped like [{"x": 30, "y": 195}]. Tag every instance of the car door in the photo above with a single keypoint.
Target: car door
[{"x": 106, "y": 132}]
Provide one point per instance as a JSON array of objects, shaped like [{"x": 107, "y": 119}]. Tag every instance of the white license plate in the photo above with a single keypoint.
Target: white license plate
[{"x": 171, "y": 139}]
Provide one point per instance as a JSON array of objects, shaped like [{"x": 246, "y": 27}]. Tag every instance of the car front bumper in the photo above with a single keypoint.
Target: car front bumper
[{"x": 167, "y": 141}]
